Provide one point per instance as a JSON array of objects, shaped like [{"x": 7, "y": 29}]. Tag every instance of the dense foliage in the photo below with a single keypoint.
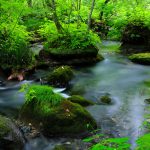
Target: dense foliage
[{"x": 63, "y": 24}]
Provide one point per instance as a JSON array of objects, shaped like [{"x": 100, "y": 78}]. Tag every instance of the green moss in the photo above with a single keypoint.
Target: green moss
[
  {"x": 147, "y": 83},
  {"x": 112, "y": 144},
  {"x": 141, "y": 58},
  {"x": 41, "y": 94},
  {"x": 99, "y": 58},
  {"x": 60, "y": 76},
  {"x": 4, "y": 129},
  {"x": 60, "y": 147},
  {"x": 63, "y": 118},
  {"x": 105, "y": 99},
  {"x": 65, "y": 52},
  {"x": 10, "y": 136},
  {"x": 80, "y": 100}
]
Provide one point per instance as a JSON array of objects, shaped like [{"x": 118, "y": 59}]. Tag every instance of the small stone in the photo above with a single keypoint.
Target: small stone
[{"x": 105, "y": 99}]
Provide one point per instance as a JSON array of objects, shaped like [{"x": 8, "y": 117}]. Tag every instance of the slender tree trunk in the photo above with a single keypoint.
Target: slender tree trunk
[
  {"x": 78, "y": 9},
  {"x": 90, "y": 15},
  {"x": 55, "y": 17}
]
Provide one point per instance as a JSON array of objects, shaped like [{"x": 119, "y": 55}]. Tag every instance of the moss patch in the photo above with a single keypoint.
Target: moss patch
[
  {"x": 80, "y": 100},
  {"x": 141, "y": 58},
  {"x": 61, "y": 76},
  {"x": 65, "y": 53},
  {"x": 4, "y": 128},
  {"x": 105, "y": 99}
]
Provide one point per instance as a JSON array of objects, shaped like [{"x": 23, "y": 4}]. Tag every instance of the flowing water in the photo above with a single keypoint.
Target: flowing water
[{"x": 117, "y": 77}]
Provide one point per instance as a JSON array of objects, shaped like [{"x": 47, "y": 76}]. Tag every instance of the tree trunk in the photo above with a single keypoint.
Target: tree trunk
[
  {"x": 90, "y": 15},
  {"x": 55, "y": 17},
  {"x": 78, "y": 9}
]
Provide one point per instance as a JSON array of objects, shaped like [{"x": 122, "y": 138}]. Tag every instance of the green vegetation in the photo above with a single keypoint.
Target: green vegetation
[
  {"x": 14, "y": 38},
  {"x": 4, "y": 129},
  {"x": 80, "y": 100},
  {"x": 71, "y": 33},
  {"x": 106, "y": 143},
  {"x": 52, "y": 114},
  {"x": 10, "y": 136},
  {"x": 141, "y": 58},
  {"x": 69, "y": 29},
  {"x": 106, "y": 99},
  {"x": 60, "y": 76},
  {"x": 143, "y": 142},
  {"x": 41, "y": 94},
  {"x": 111, "y": 144}
]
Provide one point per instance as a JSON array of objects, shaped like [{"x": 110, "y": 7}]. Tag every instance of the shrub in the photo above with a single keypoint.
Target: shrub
[
  {"x": 14, "y": 51},
  {"x": 72, "y": 38}
]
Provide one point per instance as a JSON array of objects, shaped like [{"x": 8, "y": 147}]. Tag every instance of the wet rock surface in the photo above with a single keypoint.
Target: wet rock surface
[{"x": 11, "y": 137}]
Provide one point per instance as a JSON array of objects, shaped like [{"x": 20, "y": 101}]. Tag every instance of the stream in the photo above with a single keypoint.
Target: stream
[{"x": 115, "y": 76}]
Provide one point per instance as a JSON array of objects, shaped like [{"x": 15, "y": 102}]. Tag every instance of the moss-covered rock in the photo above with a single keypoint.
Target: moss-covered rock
[
  {"x": 59, "y": 53},
  {"x": 54, "y": 116},
  {"x": 106, "y": 99},
  {"x": 10, "y": 137},
  {"x": 82, "y": 56},
  {"x": 136, "y": 32},
  {"x": 141, "y": 58},
  {"x": 60, "y": 77},
  {"x": 80, "y": 100}
]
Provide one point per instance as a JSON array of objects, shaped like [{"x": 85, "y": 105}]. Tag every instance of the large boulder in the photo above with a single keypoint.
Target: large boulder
[
  {"x": 60, "y": 77},
  {"x": 10, "y": 136},
  {"x": 53, "y": 115},
  {"x": 80, "y": 56},
  {"x": 140, "y": 58},
  {"x": 136, "y": 32}
]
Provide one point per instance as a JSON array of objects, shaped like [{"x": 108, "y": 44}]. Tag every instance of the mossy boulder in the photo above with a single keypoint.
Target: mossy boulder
[
  {"x": 106, "y": 99},
  {"x": 65, "y": 56},
  {"x": 54, "y": 115},
  {"x": 141, "y": 58},
  {"x": 136, "y": 32},
  {"x": 80, "y": 100},
  {"x": 10, "y": 136},
  {"x": 60, "y": 77}
]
